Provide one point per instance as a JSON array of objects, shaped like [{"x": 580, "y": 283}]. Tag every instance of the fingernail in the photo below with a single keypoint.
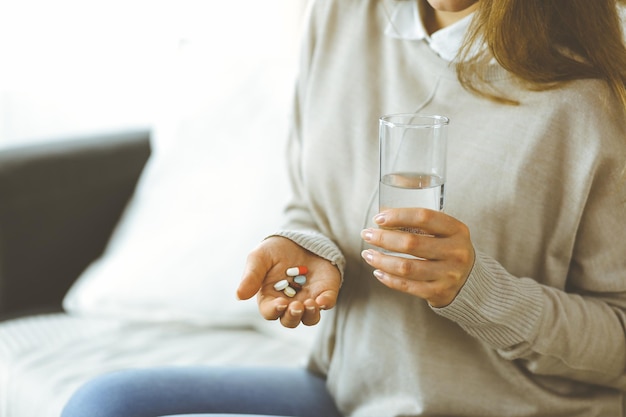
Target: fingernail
[
  {"x": 310, "y": 308},
  {"x": 379, "y": 274},
  {"x": 367, "y": 255},
  {"x": 281, "y": 308},
  {"x": 380, "y": 218},
  {"x": 295, "y": 312},
  {"x": 367, "y": 234}
]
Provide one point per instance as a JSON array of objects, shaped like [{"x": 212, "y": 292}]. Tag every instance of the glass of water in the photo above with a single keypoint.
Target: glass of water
[{"x": 412, "y": 161}]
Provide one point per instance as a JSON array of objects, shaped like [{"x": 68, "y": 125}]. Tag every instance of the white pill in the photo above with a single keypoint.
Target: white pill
[
  {"x": 281, "y": 285},
  {"x": 300, "y": 279},
  {"x": 297, "y": 270},
  {"x": 289, "y": 292}
]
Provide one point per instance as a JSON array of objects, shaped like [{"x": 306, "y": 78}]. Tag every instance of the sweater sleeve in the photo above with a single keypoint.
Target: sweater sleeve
[
  {"x": 301, "y": 224},
  {"x": 577, "y": 333},
  {"x": 551, "y": 332}
]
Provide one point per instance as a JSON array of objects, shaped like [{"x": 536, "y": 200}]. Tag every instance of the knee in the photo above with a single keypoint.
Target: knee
[{"x": 108, "y": 395}]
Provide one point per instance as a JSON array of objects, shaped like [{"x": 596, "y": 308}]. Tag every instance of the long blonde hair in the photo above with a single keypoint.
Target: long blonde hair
[{"x": 544, "y": 43}]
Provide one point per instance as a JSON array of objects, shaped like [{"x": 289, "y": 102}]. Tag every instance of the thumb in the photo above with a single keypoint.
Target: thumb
[{"x": 255, "y": 270}]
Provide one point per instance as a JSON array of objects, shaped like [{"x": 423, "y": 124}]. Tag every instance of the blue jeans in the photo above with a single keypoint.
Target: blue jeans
[{"x": 154, "y": 392}]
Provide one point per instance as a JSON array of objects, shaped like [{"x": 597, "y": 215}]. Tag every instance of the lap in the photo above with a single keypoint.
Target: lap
[{"x": 153, "y": 392}]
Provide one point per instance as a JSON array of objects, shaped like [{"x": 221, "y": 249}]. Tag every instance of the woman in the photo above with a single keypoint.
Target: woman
[{"x": 517, "y": 306}]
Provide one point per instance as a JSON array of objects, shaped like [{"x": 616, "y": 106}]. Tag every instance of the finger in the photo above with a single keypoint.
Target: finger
[
  {"x": 438, "y": 293},
  {"x": 422, "y": 289},
  {"x": 327, "y": 299},
  {"x": 311, "y": 315},
  {"x": 416, "y": 269},
  {"x": 293, "y": 315},
  {"x": 428, "y": 221},
  {"x": 419, "y": 245},
  {"x": 272, "y": 308},
  {"x": 254, "y": 273}
]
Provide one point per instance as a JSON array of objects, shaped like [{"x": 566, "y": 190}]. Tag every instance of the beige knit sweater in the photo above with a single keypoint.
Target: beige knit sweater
[{"x": 539, "y": 327}]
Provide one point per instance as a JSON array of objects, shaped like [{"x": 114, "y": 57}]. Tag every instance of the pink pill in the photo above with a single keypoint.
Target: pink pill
[{"x": 297, "y": 270}]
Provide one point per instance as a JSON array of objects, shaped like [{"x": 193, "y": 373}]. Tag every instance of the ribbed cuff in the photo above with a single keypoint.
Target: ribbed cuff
[
  {"x": 496, "y": 307},
  {"x": 318, "y": 244}
]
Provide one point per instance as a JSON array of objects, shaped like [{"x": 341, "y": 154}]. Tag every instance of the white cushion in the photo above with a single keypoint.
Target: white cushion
[{"x": 213, "y": 189}]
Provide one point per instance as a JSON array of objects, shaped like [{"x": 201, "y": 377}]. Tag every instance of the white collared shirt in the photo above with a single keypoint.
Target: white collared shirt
[{"x": 406, "y": 23}]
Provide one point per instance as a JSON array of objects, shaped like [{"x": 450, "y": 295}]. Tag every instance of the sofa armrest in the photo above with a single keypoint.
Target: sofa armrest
[{"x": 59, "y": 203}]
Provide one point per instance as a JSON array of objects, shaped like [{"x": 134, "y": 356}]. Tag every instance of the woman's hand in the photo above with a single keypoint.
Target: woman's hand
[
  {"x": 268, "y": 263},
  {"x": 444, "y": 247}
]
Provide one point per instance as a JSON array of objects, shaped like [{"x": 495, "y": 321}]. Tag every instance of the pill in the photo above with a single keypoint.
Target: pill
[
  {"x": 300, "y": 279},
  {"x": 295, "y": 286},
  {"x": 297, "y": 270},
  {"x": 289, "y": 292},
  {"x": 281, "y": 285}
]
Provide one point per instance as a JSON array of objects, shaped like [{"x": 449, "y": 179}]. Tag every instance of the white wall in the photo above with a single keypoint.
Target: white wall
[{"x": 74, "y": 66}]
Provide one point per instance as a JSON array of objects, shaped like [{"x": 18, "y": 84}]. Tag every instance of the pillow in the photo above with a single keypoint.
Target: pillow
[{"x": 214, "y": 188}]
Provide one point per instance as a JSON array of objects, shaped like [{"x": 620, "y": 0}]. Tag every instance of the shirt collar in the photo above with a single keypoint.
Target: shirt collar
[{"x": 406, "y": 23}]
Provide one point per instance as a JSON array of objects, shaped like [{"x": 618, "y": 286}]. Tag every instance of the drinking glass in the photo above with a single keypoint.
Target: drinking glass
[{"x": 412, "y": 161}]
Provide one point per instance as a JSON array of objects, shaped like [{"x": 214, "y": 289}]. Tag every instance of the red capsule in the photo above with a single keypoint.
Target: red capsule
[{"x": 297, "y": 270}]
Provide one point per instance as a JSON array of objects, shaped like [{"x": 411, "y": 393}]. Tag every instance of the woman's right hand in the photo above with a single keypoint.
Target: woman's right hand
[{"x": 268, "y": 263}]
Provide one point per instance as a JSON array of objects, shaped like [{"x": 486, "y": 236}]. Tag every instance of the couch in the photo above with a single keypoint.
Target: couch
[
  {"x": 123, "y": 249},
  {"x": 59, "y": 202}
]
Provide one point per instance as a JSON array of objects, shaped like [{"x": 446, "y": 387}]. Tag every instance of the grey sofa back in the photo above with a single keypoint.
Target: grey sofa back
[{"x": 59, "y": 202}]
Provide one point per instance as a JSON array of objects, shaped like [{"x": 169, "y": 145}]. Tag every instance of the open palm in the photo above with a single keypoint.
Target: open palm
[{"x": 267, "y": 265}]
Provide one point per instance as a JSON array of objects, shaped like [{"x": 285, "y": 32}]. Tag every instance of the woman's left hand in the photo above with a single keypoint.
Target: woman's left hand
[{"x": 444, "y": 248}]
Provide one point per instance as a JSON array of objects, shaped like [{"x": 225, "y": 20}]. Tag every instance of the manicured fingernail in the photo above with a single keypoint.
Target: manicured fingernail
[
  {"x": 295, "y": 312},
  {"x": 281, "y": 308},
  {"x": 367, "y": 234},
  {"x": 367, "y": 255},
  {"x": 310, "y": 308},
  {"x": 379, "y": 274},
  {"x": 379, "y": 218}
]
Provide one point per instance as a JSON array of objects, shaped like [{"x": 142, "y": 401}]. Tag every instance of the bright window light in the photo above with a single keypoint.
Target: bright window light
[{"x": 71, "y": 66}]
